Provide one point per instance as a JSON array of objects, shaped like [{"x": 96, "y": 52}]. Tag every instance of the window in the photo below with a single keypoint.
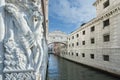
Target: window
[
  {"x": 83, "y": 32},
  {"x": 77, "y": 35},
  {"x": 92, "y": 40},
  {"x": 92, "y": 56},
  {"x": 92, "y": 28},
  {"x": 72, "y": 37},
  {"x": 106, "y": 4},
  {"x": 72, "y": 44},
  {"x": 106, "y": 57},
  {"x": 76, "y": 54},
  {"x": 106, "y": 23},
  {"x": 77, "y": 43},
  {"x": 83, "y": 42},
  {"x": 72, "y": 53},
  {"x": 106, "y": 37},
  {"x": 83, "y": 54}
]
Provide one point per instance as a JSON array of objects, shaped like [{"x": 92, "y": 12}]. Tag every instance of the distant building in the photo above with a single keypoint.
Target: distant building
[{"x": 97, "y": 43}]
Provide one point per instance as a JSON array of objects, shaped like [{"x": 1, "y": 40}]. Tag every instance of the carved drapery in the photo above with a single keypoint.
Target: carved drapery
[{"x": 24, "y": 39}]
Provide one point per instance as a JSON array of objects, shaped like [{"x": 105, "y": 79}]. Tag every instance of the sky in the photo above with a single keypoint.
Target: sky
[{"x": 68, "y": 15}]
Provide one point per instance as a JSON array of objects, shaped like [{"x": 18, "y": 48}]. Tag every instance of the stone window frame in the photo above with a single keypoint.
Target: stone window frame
[
  {"x": 72, "y": 44},
  {"x": 77, "y": 35},
  {"x": 106, "y": 23},
  {"x": 92, "y": 29},
  {"x": 106, "y": 4},
  {"x": 92, "y": 56},
  {"x": 77, "y": 43},
  {"x": 92, "y": 40},
  {"x": 106, "y": 57},
  {"x": 83, "y": 32},
  {"x": 72, "y": 53},
  {"x": 77, "y": 54},
  {"x": 83, "y": 42},
  {"x": 106, "y": 39},
  {"x": 83, "y": 55}
]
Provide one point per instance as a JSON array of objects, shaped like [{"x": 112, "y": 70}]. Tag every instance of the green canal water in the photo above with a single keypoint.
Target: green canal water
[{"x": 61, "y": 69}]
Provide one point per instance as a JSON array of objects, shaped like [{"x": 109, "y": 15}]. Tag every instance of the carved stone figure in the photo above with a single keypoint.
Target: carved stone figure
[{"x": 23, "y": 38}]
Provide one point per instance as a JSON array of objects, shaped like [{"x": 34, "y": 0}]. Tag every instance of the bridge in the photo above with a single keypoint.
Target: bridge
[
  {"x": 57, "y": 36},
  {"x": 56, "y": 40}
]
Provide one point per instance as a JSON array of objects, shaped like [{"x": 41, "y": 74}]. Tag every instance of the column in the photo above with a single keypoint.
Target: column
[{"x": 2, "y": 33}]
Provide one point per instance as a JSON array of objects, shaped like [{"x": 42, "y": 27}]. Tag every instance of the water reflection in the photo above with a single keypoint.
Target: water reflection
[{"x": 61, "y": 69}]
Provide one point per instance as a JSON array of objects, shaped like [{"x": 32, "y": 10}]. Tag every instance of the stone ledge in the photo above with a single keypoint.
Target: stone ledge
[
  {"x": 20, "y": 76},
  {"x": 14, "y": 71}
]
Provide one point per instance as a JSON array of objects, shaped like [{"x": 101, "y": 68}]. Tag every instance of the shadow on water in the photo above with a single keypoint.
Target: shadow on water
[{"x": 61, "y": 69}]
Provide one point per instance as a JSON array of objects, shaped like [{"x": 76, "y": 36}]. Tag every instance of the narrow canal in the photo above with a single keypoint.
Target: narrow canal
[{"x": 61, "y": 69}]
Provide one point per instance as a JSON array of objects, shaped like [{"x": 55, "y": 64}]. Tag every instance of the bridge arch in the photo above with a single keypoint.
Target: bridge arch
[
  {"x": 58, "y": 42},
  {"x": 57, "y": 36}
]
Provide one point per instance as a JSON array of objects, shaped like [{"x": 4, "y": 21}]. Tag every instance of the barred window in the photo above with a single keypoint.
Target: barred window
[
  {"x": 83, "y": 42},
  {"x": 106, "y": 57},
  {"x": 106, "y": 4},
  {"x": 106, "y": 37},
  {"x": 77, "y": 43},
  {"x": 92, "y": 40},
  {"x": 77, "y": 35},
  {"x": 106, "y": 23},
  {"x": 83, "y": 32},
  {"x": 92, "y": 56},
  {"x": 92, "y": 28},
  {"x": 76, "y": 54},
  {"x": 83, "y": 54}
]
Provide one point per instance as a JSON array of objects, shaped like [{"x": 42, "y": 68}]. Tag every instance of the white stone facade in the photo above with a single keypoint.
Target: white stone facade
[
  {"x": 99, "y": 47},
  {"x": 57, "y": 36},
  {"x": 23, "y": 46}
]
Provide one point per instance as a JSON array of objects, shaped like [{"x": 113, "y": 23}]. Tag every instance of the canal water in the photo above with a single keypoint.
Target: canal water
[{"x": 61, "y": 69}]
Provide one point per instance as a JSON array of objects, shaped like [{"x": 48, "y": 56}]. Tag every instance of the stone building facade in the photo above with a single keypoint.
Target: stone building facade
[{"x": 97, "y": 43}]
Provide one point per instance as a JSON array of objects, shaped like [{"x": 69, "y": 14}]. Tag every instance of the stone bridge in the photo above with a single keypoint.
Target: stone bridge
[
  {"x": 57, "y": 36},
  {"x": 56, "y": 40}
]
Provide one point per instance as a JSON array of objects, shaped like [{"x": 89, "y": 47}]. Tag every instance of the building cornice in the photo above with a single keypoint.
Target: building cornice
[
  {"x": 97, "y": 2},
  {"x": 115, "y": 10}
]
